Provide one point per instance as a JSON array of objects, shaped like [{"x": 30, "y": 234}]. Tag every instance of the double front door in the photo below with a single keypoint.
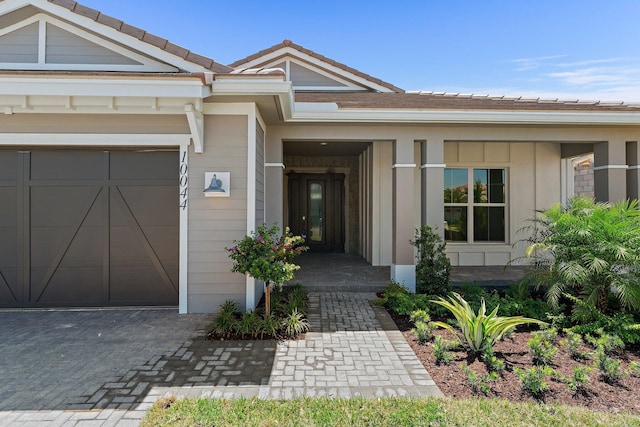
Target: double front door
[{"x": 316, "y": 210}]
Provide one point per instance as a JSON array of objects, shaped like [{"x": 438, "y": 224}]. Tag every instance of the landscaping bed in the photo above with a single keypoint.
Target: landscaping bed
[{"x": 597, "y": 394}]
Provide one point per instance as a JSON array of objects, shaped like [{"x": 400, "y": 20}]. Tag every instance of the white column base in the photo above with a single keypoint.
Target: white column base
[{"x": 405, "y": 275}]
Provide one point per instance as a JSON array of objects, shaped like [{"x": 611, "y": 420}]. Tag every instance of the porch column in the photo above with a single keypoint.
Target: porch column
[
  {"x": 403, "y": 269},
  {"x": 432, "y": 184},
  {"x": 610, "y": 171},
  {"x": 273, "y": 179},
  {"x": 633, "y": 173}
]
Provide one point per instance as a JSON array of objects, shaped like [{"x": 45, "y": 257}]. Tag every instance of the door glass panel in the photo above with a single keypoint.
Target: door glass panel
[{"x": 315, "y": 212}]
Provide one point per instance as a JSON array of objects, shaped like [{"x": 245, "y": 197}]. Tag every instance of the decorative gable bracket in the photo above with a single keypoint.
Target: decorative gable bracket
[{"x": 196, "y": 126}]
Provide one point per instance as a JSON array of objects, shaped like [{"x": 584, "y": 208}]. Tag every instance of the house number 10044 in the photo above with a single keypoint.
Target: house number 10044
[{"x": 184, "y": 179}]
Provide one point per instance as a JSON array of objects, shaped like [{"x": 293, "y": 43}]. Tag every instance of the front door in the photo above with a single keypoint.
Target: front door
[{"x": 316, "y": 210}]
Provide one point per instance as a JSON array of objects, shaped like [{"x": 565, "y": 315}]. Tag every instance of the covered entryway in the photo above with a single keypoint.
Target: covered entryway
[
  {"x": 88, "y": 228},
  {"x": 317, "y": 210}
]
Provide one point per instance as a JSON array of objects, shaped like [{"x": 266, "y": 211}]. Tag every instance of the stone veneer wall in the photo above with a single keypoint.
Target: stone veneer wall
[
  {"x": 583, "y": 181},
  {"x": 336, "y": 164}
]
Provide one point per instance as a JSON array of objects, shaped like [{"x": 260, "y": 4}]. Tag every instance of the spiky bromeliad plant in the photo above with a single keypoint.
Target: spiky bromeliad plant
[
  {"x": 588, "y": 249},
  {"x": 478, "y": 331},
  {"x": 267, "y": 255}
]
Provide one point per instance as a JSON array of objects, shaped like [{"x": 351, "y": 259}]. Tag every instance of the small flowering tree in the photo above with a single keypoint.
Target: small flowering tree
[{"x": 266, "y": 255}]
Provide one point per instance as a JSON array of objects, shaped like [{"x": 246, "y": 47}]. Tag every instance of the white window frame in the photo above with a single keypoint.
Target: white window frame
[{"x": 470, "y": 204}]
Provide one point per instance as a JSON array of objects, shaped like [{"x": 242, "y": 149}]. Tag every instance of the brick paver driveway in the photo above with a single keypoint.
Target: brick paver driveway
[{"x": 62, "y": 360}]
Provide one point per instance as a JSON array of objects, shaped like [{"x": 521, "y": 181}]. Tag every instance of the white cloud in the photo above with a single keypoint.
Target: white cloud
[{"x": 526, "y": 64}]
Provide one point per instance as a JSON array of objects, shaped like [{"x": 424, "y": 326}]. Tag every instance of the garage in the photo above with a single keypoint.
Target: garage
[{"x": 88, "y": 228}]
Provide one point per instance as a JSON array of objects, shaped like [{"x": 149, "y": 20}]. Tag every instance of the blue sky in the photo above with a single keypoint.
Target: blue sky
[{"x": 566, "y": 49}]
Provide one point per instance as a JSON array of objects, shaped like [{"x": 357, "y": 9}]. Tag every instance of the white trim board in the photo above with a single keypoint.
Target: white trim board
[
  {"x": 95, "y": 139},
  {"x": 286, "y": 52},
  {"x": 604, "y": 167}
]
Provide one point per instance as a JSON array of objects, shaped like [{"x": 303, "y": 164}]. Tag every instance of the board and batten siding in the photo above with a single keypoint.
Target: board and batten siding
[
  {"x": 533, "y": 183},
  {"x": 215, "y": 222}
]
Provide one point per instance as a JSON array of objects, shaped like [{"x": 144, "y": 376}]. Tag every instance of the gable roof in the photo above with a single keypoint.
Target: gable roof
[
  {"x": 135, "y": 32},
  {"x": 330, "y": 62}
]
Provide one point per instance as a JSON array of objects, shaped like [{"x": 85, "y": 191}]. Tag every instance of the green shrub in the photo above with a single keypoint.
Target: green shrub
[
  {"x": 621, "y": 324},
  {"x": 590, "y": 250},
  {"x": 578, "y": 382},
  {"x": 295, "y": 324},
  {"x": 609, "y": 367},
  {"x": 573, "y": 342},
  {"x": 479, "y": 383},
  {"x": 634, "y": 368},
  {"x": 491, "y": 361},
  {"x": 249, "y": 325},
  {"x": 406, "y": 304},
  {"x": 533, "y": 379},
  {"x": 542, "y": 348},
  {"x": 225, "y": 323},
  {"x": 441, "y": 351},
  {"x": 270, "y": 327},
  {"x": 432, "y": 266},
  {"x": 478, "y": 331},
  {"x": 423, "y": 327},
  {"x": 605, "y": 342}
]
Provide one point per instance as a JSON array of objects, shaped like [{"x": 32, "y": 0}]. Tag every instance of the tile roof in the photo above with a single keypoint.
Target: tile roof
[
  {"x": 449, "y": 101},
  {"x": 289, "y": 43},
  {"x": 142, "y": 35}
]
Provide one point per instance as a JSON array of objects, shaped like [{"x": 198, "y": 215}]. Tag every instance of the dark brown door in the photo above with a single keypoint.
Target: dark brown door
[
  {"x": 88, "y": 228},
  {"x": 316, "y": 210}
]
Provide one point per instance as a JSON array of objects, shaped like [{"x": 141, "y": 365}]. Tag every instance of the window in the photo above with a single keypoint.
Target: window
[{"x": 474, "y": 204}]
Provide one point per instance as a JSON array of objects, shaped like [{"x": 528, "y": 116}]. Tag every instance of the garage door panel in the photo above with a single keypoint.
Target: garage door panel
[
  {"x": 88, "y": 239},
  {"x": 66, "y": 165},
  {"x": 10, "y": 290},
  {"x": 9, "y": 165},
  {"x": 10, "y": 295},
  {"x": 66, "y": 206},
  {"x": 150, "y": 166},
  {"x": 136, "y": 285},
  {"x": 139, "y": 198},
  {"x": 65, "y": 288}
]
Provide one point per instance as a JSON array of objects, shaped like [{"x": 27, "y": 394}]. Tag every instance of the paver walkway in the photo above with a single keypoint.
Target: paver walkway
[{"x": 354, "y": 350}]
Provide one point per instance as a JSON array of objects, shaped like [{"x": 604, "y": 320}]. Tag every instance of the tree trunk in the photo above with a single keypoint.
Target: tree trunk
[
  {"x": 603, "y": 299},
  {"x": 267, "y": 299}
]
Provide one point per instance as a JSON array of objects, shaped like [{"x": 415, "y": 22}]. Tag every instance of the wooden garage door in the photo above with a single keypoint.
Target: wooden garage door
[{"x": 88, "y": 228}]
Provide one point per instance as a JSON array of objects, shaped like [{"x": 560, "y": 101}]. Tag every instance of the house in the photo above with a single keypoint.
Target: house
[{"x": 128, "y": 164}]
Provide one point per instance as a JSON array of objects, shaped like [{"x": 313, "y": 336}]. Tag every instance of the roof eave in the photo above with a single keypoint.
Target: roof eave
[{"x": 329, "y": 112}]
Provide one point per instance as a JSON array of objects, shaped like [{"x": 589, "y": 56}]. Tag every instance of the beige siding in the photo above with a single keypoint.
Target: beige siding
[
  {"x": 63, "y": 47},
  {"x": 301, "y": 76},
  {"x": 533, "y": 182},
  {"x": 215, "y": 222},
  {"x": 259, "y": 175},
  {"x": 20, "y": 46},
  {"x": 94, "y": 123}
]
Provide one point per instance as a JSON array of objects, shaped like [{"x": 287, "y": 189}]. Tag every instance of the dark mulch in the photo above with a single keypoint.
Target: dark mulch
[{"x": 599, "y": 395}]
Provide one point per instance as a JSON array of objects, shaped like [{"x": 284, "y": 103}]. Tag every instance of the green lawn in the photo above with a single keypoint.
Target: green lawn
[{"x": 376, "y": 412}]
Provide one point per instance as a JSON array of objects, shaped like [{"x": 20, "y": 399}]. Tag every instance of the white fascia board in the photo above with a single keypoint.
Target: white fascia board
[
  {"x": 283, "y": 90},
  {"x": 329, "y": 112},
  {"x": 95, "y": 139},
  {"x": 153, "y": 87},
  {"x": 106, "y": 31},
  {"x": 318, "y": 63},
  {"x": 252, "y": 86}
]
